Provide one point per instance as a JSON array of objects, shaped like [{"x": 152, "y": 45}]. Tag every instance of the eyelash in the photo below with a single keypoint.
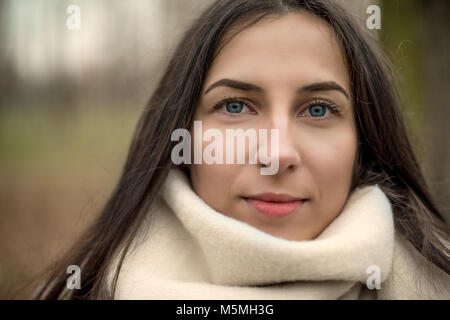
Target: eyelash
[{"x": 331, "y": 106}]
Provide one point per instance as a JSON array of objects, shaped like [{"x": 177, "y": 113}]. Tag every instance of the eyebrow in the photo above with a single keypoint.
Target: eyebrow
[{"x": 318, "y": 86}]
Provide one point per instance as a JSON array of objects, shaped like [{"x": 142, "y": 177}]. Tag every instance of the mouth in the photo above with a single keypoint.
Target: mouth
[{"x": 275, "y": 205}]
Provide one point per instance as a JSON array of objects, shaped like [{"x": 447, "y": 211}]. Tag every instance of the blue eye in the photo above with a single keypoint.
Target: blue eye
[
  {"x": 320, "y": 109},
  {"x": 317, "y": 111},
  {"x": 234, "y": 107}
]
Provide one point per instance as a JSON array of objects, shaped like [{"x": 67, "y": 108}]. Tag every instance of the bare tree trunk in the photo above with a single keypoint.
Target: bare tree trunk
[{"x": 436, "y": 40}]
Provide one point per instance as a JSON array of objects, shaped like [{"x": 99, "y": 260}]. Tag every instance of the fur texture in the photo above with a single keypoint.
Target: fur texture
[{"x": 187, "y": 250}]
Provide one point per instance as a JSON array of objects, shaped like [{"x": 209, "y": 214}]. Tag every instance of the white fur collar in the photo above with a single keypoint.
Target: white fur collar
[
  {"x": 191, "y": 251},
  {"x": 239, "y": 254}
]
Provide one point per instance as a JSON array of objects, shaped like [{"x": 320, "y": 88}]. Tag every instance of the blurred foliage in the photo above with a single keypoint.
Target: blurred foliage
[
  {"x": 400, "y": 37},
  {"x": 48, "y": 137}
]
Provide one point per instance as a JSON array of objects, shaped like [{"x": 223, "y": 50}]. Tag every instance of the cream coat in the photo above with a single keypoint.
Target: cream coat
[{"x": 187, "y": 250}]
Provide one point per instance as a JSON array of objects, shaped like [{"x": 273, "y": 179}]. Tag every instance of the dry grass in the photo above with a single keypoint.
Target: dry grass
[{"x": 56, "y": 172}]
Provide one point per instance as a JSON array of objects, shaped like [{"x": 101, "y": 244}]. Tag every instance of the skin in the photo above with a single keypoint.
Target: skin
[{"x": 317, "y": 153}]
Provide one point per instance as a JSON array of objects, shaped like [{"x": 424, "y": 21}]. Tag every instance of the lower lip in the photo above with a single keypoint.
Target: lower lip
[{"x": 275, "y": 209}]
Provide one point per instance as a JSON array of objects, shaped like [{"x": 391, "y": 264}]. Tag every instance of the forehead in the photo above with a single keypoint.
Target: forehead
[{"x": 287, "y": 51}]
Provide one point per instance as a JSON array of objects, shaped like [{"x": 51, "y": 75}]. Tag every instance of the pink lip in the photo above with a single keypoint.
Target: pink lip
[{"x": 275, "y": 205}]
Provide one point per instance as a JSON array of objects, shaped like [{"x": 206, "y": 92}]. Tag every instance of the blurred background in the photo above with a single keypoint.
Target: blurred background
[{"x": 70, "y": 98}]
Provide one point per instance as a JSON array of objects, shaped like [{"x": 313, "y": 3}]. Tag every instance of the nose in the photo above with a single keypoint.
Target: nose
[{"x": 287, "y": 151}]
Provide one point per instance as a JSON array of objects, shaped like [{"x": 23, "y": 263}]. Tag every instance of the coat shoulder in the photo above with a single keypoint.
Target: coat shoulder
[{"x": 413, "y": 277}]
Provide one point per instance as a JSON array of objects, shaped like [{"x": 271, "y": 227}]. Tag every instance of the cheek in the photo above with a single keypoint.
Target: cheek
[
  {"x": 213, "y": 184},
  {"x": 329, "y": 160}
]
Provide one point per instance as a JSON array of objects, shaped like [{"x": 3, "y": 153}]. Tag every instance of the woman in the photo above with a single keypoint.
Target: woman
[{"x": 345, "y": 215}]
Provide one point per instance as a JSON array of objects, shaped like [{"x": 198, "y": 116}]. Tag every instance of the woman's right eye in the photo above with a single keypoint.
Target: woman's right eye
[{"x": 233, "y": 106}]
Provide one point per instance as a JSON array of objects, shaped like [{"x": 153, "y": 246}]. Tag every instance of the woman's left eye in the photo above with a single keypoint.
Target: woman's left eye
[
  {"x": 233, "y": 106},
  {"x": 319, "y": 110}
]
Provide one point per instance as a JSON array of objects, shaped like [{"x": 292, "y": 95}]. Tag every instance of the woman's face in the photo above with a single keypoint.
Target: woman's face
[{"x": 298, "y": 65}]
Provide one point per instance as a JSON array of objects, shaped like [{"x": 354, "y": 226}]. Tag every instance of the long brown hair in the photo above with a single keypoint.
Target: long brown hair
[{"x": 385, "y": 155}]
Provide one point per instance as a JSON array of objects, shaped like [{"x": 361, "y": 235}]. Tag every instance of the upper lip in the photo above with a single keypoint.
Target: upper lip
[{"x": 274, "y": 197}]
